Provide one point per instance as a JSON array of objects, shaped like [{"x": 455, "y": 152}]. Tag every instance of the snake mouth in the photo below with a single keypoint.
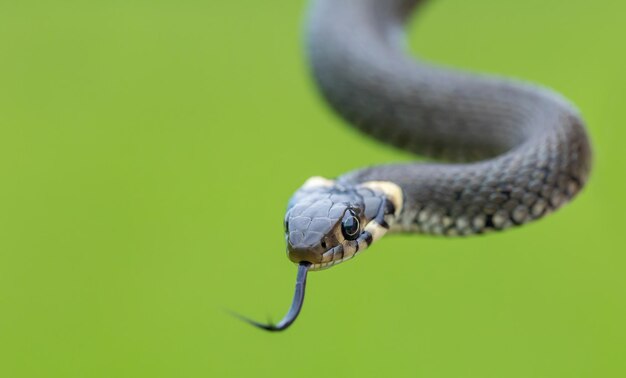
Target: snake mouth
[
  {"x": 322, "y": 266},
  {"x": 324, "y": 260},
  {"x": 348, "y": 249},
  {"x": 334, "y": 256}
]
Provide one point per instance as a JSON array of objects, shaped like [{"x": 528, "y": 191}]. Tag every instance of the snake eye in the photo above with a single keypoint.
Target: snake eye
[{"x": 350, "y": 225}]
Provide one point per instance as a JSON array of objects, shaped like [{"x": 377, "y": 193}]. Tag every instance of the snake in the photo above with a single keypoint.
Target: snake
[{"x": 501, "y": 152}]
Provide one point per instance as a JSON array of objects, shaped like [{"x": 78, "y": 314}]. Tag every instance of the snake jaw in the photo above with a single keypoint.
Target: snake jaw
[{"x": 349, "y": 249}]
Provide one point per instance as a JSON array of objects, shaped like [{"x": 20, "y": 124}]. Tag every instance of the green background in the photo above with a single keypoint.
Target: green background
[{"x": 147, "y": 152}]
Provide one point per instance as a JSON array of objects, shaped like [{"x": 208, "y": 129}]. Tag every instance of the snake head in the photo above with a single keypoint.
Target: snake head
[{"x": 327, "y": 223}]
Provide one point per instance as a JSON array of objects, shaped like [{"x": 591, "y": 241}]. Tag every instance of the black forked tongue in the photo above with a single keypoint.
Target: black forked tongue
[{"x": 296, "y": 304}]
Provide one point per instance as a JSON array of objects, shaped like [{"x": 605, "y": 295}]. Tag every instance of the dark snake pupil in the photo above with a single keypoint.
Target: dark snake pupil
[{"x": 350, "y": 226}]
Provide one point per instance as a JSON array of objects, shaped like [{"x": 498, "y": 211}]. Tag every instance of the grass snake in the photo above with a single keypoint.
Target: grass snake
[{"x": 509, "y": 152}]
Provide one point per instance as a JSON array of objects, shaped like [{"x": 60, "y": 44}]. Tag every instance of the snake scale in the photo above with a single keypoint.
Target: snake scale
[{"x": 510, "y": 152}]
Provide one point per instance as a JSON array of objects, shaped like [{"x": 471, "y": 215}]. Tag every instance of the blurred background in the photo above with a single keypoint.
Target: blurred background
[{"x": 147, "y": 153}]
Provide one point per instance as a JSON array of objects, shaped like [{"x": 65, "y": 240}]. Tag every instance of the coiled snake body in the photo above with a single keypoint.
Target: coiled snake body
[{"x": 514, "y": 151}]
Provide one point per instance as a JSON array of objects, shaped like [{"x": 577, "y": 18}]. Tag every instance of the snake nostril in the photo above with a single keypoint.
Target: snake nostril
[{"x": 324, "y": 244}]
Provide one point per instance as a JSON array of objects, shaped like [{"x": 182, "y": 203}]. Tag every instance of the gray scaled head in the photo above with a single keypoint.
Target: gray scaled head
[{"x": 327, "y": 223}]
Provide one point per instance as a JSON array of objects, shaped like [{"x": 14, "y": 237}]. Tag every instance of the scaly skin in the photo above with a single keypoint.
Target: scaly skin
[
  {"x": 521, "y": 150},
  {"x": 517, "y": 151}
]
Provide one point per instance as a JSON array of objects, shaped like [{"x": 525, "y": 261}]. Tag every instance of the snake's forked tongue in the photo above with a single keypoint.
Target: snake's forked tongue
[{"x": 296, "y": 304}]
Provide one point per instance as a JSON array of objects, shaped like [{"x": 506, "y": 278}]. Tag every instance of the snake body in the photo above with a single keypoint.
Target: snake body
[{"x": 513, "y": 151}]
